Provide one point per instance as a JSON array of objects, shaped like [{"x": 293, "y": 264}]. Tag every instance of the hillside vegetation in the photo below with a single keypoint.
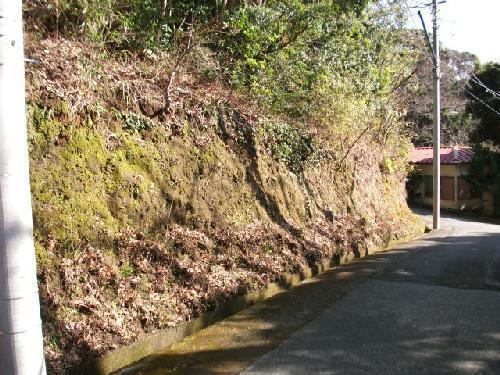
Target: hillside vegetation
[{"x": 183, "y": 153}]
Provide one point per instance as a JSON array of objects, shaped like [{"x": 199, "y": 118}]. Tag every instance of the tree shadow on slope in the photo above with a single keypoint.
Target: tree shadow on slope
[{"x": 239, "y": 135}]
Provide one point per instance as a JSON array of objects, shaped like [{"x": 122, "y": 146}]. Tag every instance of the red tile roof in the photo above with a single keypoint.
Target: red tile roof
[{"x": 423, "y": 155}]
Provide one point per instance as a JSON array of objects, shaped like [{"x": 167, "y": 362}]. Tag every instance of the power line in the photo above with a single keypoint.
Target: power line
[
  {"x": 453, "y": 81},
  {"x": 488, "y": 90},
  {"x": 472, "y": 95},
  {"x": 476, "y": 98},
  {"x": 475, "y": 79}
]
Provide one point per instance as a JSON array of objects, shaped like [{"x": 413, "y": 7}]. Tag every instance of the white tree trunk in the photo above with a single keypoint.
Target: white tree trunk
[{"x": 21, "y": 342}]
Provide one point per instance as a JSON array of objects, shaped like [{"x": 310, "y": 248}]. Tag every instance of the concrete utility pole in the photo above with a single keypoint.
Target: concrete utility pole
[
  {"x": 21, "y": 341},
  {"x": 436, "y": 129}
]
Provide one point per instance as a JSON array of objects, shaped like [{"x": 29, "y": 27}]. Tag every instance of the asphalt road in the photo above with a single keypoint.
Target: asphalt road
[{"x": 435, "y": 311}]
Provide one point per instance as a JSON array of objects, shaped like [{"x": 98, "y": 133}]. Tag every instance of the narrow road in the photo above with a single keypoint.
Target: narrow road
[
  {"x": 431, "y": 306},
  {"x": 434, "y": 311}
]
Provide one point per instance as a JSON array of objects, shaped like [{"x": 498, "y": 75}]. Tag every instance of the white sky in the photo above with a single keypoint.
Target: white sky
[{"x": 466, "y": 25}]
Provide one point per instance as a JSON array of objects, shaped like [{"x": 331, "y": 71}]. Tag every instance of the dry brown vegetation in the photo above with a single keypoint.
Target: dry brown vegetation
[{"x": 147, "y": 217}]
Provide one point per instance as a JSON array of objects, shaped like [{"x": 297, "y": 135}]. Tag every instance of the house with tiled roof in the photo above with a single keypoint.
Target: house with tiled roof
[{"x": 456, "y": 193}]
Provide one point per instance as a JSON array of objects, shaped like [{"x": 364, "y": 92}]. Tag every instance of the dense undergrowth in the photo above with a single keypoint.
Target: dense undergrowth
[{"x": 173, "y": 170}]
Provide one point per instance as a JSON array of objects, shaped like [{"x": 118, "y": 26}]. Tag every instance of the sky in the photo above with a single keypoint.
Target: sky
[{"x": 466, "y": 26}]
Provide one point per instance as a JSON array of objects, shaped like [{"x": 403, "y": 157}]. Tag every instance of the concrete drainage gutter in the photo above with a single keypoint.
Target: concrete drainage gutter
[{"x": 158, "y": 341}]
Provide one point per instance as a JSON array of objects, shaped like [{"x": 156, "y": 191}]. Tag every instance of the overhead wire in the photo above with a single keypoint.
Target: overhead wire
[
  {"x": 475, "y": 78},
  {"x": 454, "y": 81}
]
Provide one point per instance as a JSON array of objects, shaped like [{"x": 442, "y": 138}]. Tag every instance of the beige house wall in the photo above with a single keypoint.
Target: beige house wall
[{"x": 448, "y": 170}]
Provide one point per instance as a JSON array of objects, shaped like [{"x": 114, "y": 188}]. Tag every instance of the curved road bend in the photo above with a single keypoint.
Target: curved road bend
[{"x": 436, "y": 311}]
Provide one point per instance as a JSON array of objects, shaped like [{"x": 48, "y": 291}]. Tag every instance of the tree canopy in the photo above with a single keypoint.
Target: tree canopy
[
  {"x": 456, "y": 122},
  {"x": 484, "y": 103}
]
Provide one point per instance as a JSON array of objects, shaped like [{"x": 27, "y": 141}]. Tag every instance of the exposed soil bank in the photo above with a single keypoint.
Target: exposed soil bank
[{"x": 145, "y": 219}]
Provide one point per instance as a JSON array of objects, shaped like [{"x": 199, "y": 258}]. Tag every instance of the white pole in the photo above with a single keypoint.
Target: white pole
[
  {"x": 436, "y": 206},
  {"x": 21, "y": 342}
]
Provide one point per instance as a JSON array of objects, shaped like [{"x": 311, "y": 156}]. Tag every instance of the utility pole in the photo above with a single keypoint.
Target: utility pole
[
  {"x": 21, "y": 340},
  {"x": 436, "y": 127}
]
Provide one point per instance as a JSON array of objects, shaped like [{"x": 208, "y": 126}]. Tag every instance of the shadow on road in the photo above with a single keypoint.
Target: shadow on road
[{"x": 442, "y": 258}]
